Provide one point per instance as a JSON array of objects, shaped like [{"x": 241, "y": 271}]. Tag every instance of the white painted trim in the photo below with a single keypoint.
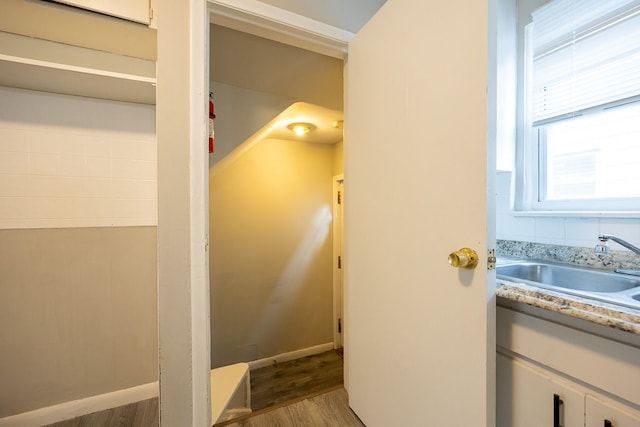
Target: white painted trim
[
  {"x": 226, "y": 381},
  {"x": 199, "y": 221},
  {"x": 183, "y": 281},
  {"x": 338, "y": 292},
  {"x": 76, "y": 408},
  {"x": 264, "y": 20},
  {"x": 292, "y": 355}
]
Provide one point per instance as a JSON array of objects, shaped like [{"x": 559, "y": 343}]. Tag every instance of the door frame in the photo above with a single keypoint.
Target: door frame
[
  {"x": 182, "y": 233},
  {"x": 264, "y": 20},
  {"x": 338, "y": 277}
]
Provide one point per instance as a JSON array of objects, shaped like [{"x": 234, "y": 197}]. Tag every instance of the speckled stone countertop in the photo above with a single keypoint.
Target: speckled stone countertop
[{"x": 610, "y": 315}]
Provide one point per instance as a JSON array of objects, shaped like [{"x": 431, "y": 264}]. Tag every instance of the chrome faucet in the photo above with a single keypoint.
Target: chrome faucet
[{"x": 602, "y": 247}]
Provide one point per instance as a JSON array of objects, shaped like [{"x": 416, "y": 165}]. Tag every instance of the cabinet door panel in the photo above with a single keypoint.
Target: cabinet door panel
[
  {"x": 598, "y": 411},
  {"x": 525, "y": 397}
]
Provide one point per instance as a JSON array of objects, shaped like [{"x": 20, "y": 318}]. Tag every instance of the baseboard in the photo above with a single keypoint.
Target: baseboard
[
  {"x": 292, "y": 355},
  {"x": 75, "y": 408}
]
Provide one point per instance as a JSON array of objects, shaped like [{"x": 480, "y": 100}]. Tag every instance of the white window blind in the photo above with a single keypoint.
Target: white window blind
[{"x": 586, "y": 55}]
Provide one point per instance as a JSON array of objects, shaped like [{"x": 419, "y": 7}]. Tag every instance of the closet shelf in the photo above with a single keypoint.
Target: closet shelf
[{"x": 37, "y": 64}]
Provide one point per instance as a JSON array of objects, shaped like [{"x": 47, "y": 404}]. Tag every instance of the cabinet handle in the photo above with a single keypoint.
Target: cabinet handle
[
  {"x": 556, "y": 410},
  {"x": 608, "y": 423}
]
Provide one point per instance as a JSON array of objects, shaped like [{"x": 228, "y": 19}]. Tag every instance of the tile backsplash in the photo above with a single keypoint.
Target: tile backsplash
[
  {"x": 567, "y": 254},
  {"x": 68, "y": 161},
  {"x": 565, "y": 231}
]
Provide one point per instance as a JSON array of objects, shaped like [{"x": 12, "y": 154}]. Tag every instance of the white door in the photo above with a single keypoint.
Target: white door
[{"x": 420, "y": 337}]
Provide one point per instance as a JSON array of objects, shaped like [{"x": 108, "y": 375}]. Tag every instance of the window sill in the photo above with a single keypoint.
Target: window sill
[{"x": 578, "y": 214}]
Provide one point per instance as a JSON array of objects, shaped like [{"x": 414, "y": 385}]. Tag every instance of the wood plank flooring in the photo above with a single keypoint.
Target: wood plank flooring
[
  {"x": 302, "y": 392},
  {"x": 138, "y": 414},
  {"x": 329, "y": 409},
  {"x": 292, "y": 380}
]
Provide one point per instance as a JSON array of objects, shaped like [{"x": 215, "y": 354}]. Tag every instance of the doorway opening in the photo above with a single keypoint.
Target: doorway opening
[{"x": 271, "y": 200}]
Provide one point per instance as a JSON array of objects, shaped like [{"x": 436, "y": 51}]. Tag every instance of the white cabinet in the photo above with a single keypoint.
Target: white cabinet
[
  {"x": 547, "y": 370},
  {"x": 601, "y": 412},
  {"x": 528, "y": 397}
]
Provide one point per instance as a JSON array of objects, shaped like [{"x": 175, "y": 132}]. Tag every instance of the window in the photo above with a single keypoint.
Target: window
[{"x": 582, "y": 95}]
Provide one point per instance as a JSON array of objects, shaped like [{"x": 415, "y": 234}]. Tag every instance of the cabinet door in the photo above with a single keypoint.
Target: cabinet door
[
  {"x": 526, "y": 397},
  {"x": 602, "y": 413}
]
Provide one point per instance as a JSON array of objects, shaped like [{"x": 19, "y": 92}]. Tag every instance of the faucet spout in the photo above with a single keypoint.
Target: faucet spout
[
  {"x": 604, "y": 237},
  {"x": 603, "y": 248}
]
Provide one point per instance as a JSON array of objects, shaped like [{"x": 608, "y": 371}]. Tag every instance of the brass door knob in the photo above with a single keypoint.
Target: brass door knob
[{"x": 464, "y": 258}]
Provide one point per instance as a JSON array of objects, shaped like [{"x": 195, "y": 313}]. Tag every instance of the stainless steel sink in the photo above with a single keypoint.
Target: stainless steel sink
[
  {"x": 582, "y": 279},
  {"x": 586, "y": 282}
]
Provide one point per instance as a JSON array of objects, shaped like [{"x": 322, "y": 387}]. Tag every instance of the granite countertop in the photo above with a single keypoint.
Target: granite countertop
[{"x": 611, "y": 315}]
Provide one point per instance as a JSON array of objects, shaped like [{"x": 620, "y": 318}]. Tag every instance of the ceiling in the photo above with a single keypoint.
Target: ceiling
[
  {"x": 251, "y": 62},
  {"x": 315, "y": 81},
  {"x": 325, "y": 133},
  {"x": 328, "y": 124},
  {"x": 349, "y": 15}
]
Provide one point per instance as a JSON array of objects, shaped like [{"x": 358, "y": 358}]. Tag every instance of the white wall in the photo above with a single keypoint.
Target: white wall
[
  {"x": 567, "y": 231},
  {"x": 559, "y": 230},
  {"x": 506, "y": 87},
  {"x": 69, "y": 161}
]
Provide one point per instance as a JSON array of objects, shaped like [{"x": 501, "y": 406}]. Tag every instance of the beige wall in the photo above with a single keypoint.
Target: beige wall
[
  {"x": 270, "y": 203},
  {"x": 240, "y": 113},
  {"x": 78, "y": 314},
  {"x": 77, "y": 295},
  {"x": 271, "y": 251},
  {"x": 338, "y": 158},
  {"x": 270, "y": 233}
]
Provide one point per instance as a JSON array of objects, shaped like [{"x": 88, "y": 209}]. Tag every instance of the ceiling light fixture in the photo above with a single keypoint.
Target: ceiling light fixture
[{"x": 300, "y": 128}]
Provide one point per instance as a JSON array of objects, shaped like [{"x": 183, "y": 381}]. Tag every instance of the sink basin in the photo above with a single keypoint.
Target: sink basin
[
  {"x": 573, "y": 278},
  {"x": 609, "y": 287}
]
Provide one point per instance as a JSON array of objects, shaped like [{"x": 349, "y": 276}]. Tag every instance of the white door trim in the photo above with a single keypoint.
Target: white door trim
[
  {"x": 264, "y": 20},
  {"x": 184, "y": 339},
  {"x": 338, "y": 311}
]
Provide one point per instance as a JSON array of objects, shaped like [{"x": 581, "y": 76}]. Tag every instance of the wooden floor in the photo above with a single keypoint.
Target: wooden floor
[
  {"x": 139, "y": 414},
  {"x": 330, "y": 409},
  {"x": 292, "y": 380},
  {"x": 302, "y": 392}
]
